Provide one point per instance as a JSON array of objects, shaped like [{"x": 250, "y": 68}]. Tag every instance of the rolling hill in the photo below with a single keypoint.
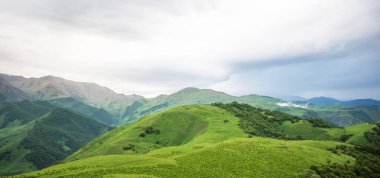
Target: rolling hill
[{"x": 203, "y": 141}]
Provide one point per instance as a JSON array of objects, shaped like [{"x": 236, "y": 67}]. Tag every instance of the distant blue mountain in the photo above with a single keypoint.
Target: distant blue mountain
[
  {"x": 323, "y": 100},
  {"x": 357, "y": 102}
]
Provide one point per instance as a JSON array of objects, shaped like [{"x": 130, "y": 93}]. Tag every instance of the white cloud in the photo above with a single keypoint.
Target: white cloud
[
  {"x": 290, "y": 104},
  {"x": 151, "y": 47}
]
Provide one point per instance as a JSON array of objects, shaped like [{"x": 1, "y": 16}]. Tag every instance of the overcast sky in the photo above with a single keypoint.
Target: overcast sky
[{"x": 148, "y": 47}]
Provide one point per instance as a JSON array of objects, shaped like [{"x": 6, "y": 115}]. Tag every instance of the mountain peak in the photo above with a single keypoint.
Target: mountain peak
[
  {"x": 189, "y": 89},
  {"x": 195, "y": 90}
]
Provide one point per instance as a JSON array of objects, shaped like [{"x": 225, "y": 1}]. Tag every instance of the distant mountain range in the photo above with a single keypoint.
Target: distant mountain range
[
  {"x": 50, "y": 87},
  {"x": 111, "y": 108},
  {"x": 44, "y": 120},
  {"x": 357, "y": 102}
]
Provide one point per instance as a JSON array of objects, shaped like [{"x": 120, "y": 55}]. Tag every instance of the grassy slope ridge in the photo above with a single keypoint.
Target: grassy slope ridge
[{"x": 213, "y": 148}]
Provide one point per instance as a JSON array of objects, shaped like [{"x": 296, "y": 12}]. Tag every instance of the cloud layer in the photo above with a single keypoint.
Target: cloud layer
[{"x": 291, "y": 47}]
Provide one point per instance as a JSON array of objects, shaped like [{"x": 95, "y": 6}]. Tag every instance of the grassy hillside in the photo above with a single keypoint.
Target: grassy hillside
[
  {"x": 255, "y": 157},
  {"x": 12, "y": 154},
  {"x": 180, "y": 125},
  {"x": 36, "y": 134},
  {"x": 13, "y": 114},
  {"x": 59, "y": 134}
]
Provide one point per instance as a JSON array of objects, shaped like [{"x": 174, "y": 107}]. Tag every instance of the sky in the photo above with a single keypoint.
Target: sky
[{"x": 149, "y": 47}]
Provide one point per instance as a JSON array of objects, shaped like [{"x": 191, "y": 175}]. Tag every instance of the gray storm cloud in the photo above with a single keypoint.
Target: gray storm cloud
[{"x": 307, "y": 48}]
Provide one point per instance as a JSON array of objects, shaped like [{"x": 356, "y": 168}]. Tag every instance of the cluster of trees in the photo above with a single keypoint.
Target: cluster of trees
[
  {"x": 150, "y": 130},
  {"x": 263, "y": 122},
  {"x": 320, "y": 123},
  {"x": 344, "y": 138},
  {"x": 254, "y": 121},
  {"x": 129, "y": 147},
  {"x": 367, "y": 163},
  {"x": 7, "y": 154}
]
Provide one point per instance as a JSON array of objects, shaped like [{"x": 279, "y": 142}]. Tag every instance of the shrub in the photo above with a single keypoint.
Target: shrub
[
  {"x": 344, "y": 138},
  {"x": 151, "y": 130}
]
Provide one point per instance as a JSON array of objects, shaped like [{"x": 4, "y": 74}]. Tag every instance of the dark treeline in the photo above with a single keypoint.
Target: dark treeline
[{"x": 263, "y": 122}]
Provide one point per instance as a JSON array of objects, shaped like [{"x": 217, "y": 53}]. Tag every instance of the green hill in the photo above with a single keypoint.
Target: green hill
[
  {"x": 35, "y": 135},
  {"x": 177, "y": 126}
]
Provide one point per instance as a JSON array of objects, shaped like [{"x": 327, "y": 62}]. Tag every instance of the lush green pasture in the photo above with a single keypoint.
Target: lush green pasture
[{"x": 244, "y": 157}]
